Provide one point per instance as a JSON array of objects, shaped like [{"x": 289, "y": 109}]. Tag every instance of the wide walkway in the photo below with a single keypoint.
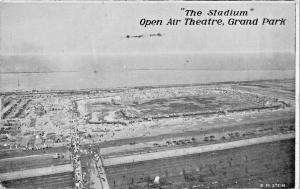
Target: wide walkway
[
  {"x": 36, "y": 172},
  {"x": 195, "y": 150}
]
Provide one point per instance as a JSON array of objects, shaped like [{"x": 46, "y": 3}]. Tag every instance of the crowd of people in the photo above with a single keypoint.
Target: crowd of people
[{"x": 75, "y": 150}]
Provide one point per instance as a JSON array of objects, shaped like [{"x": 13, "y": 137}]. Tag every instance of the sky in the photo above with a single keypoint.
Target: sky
[
  {"x": 101, "y": 28},
  {"x": 86, "y": 45}
]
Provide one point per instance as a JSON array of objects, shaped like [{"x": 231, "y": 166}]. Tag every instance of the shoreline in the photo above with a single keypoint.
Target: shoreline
[{"x": 116, "y": 89}]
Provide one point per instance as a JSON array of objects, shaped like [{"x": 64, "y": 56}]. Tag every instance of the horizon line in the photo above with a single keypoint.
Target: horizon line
[{"x": 145, "y": 53}]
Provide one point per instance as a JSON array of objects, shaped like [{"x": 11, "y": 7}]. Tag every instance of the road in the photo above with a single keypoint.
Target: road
[{"x": 195, "y": 150}]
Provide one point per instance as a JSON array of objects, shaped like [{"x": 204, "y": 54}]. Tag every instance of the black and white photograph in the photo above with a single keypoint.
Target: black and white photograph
[{"x": 149, "y": 94}]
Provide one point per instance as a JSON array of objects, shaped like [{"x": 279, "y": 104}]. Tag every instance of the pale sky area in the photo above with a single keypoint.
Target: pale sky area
[
  {"x": 84, "y": 45},
  {"x": 101, "y": 28}
]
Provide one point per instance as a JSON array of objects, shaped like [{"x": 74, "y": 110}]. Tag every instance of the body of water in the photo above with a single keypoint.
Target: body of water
[{"x": 130, "y": 78}]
